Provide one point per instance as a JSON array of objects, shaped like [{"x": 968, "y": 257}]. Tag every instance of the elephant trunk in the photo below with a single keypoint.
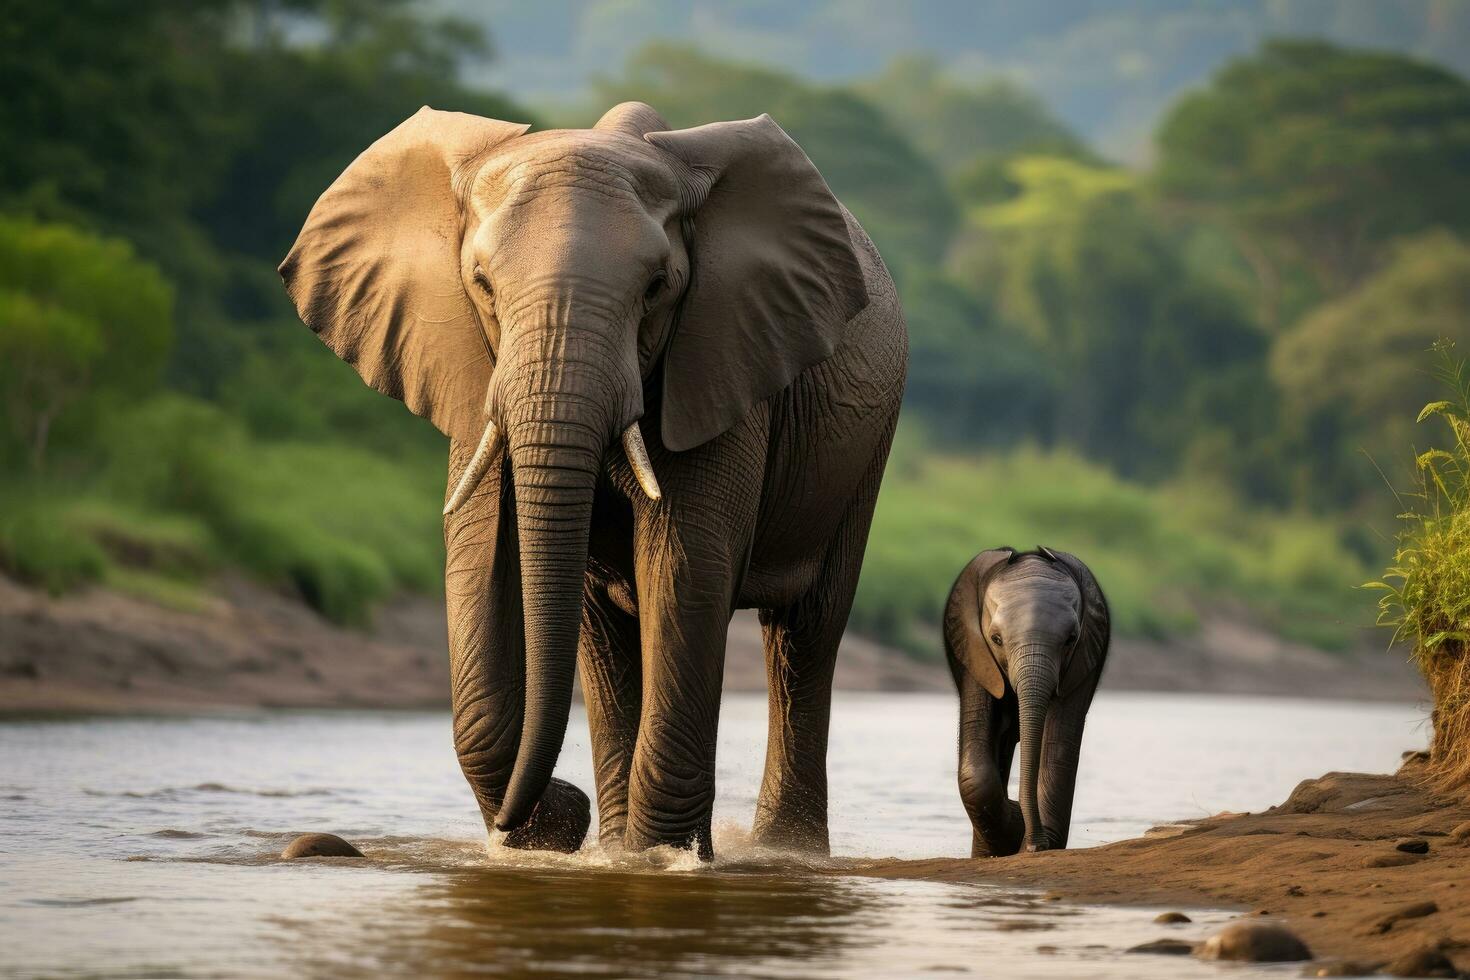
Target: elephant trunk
[
  {"x": 560, "y": 415},
  {"x": 1034, "y": 676},
  {"x": 554, "y": 466}
]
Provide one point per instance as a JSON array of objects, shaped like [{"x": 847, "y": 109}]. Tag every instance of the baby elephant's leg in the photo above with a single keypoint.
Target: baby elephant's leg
[
  {"x": 1061, "y": 745},
  {"x": 988, "y": 736}
]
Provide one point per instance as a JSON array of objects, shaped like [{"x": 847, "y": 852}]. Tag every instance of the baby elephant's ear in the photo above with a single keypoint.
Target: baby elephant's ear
[
  {"x": 963, "y": 636},
  {"x": 774, "y": 279},
  {"x": 1095, "y": 630}
]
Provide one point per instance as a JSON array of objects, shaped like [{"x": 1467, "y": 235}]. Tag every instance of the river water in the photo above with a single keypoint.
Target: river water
[{"x": 147, "y": 847}]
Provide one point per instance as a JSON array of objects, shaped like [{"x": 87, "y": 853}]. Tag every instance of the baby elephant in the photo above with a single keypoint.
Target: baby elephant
[{"x": 1026, "y": 634}]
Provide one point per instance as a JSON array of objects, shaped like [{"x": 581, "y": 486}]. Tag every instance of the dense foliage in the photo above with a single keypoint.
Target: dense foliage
[{"x": 1117, "y": 362}]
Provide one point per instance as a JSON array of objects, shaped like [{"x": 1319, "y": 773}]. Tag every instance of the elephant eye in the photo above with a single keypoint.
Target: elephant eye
[
  {"x": 995, "y": 638},
  {"x": 655, "y": 287},
  {"x": 482, "y": 280}
]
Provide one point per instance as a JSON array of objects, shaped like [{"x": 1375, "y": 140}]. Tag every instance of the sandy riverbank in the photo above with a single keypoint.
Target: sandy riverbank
[
  {"x": 1327, "y": 862},
  {"x": 244, "y": 646}
]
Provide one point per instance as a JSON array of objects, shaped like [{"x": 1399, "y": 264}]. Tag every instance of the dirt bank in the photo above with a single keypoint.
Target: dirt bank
[
  {"x": 1328, "y": 862},
  {"x": 247, "y": 646}
]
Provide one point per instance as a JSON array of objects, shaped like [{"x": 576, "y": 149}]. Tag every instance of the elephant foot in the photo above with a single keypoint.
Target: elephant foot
[
  {"x": 992, "y": 838},
  {"x": 559, "y": 822},
  {"x": 642, "y": 840},
  {"x": 803, "y": 836}
]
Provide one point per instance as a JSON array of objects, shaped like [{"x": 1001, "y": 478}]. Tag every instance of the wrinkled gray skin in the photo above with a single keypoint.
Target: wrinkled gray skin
[
  {"x": 1026, "y": 650},
  {"x": 540, "y": 294}
]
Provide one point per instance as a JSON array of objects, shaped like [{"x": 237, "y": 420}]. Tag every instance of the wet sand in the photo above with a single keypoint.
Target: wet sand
[{"x": 1327, "y": 862}]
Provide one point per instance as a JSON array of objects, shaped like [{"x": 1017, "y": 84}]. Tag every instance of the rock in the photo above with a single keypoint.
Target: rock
[
  {"x": 320, "y": 845},
  {"x": 1166, "y": 947},
  {"x": 1418, "y": 910},
  {"x": 1462, "y": 832},
  {"x": 1295, "y": 891},
  {"x": 1340, "y": 968},
  {"x": 1427, "y": 962},
  {"x": 1255, "y": 942},
  {"x": 1394, "y": 860},
  {"x": 1413, "y": 762},
  {"x": 1412, "y": 845},
  {"x": 1171, "y": 918}
]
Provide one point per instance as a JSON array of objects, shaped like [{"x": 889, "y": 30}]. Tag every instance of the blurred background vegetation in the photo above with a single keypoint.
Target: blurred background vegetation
[{"x": 1170, "y": 270}]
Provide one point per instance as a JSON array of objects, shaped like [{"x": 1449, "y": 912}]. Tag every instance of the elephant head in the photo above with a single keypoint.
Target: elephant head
[
  {"x": 1035, "y": 622},
  {"x": 528, "y": 292}
]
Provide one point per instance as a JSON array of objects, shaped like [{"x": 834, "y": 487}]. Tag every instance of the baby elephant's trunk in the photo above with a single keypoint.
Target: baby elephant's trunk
[{"x": 1034, "y": 676}]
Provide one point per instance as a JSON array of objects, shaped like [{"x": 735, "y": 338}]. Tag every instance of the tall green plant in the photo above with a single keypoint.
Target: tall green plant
[
  {"x": 1426, "y": 596},
  {"x": 1426, "y": 592}
]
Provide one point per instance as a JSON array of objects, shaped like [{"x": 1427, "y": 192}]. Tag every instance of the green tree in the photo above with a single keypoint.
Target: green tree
[
  {"x": 1147, "y": 353},
  {"x": 893, "y": 190},
  {"x": 976, "y": 379},
  {"x": 82, "y": 319},
  {"x": 1317, "y": 156},
  {"x": 966, "y": 127},
  {"x": 1352, "y": 372}
]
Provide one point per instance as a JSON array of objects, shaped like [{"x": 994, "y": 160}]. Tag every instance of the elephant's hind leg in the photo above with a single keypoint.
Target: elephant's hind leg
[
  {"x": 801, "y": 643},
  {"x": 610, "y": 658}
]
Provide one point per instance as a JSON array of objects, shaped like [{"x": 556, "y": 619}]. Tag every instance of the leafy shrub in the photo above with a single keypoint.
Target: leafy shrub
[{"x": 44, "y": 552}]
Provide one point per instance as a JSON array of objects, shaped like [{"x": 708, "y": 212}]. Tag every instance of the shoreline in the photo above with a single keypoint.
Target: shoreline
[
  {"x": 242, "y": 646},
  {"x": 1327, "y": 863}
]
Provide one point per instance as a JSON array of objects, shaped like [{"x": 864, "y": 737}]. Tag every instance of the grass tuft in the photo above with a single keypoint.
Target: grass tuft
[{"x": 1426, "y": 591}]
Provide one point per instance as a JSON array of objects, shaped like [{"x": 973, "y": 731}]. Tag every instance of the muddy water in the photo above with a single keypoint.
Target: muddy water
[{"x": 146, "y": 848}]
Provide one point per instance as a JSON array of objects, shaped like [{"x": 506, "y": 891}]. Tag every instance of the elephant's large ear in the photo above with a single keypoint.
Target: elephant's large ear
[
  {"x": 1095, "y": 631},
  {"x": 376, "y": 270},
  {"x": 962, "y": 633},
  {"x": 775, "y": 276}
]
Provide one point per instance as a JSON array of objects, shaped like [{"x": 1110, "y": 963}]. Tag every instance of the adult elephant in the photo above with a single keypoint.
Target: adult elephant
[{"x": 579, "y": 310}]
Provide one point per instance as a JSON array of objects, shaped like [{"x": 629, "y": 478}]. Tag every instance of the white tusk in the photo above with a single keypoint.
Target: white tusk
[
  {"x": 485, "y": 454},
  {"x": 638, "y": 459}
]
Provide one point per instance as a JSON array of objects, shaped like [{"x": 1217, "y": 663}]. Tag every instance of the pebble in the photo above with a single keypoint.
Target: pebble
[
  {"x": 1255, "y": 942},
  {"x": 1171, "y": 918},
  {"x": 1166, "y": 947},
  {"x": 1340, "y": 968},
  {"x": 1412, "y": 845},
  {"x": 1427, "y": 962},
  {"x": 320, "y": 845}
]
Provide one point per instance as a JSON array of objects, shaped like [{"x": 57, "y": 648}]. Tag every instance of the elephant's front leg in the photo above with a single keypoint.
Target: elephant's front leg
[
  {"x": 609, "y": 656},
  {"x": 989, "y": 732},
  {"x": 1061, "y": 747},
  {"x": 487, "y": 658},
  {"x": 690, "y": 553}
]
